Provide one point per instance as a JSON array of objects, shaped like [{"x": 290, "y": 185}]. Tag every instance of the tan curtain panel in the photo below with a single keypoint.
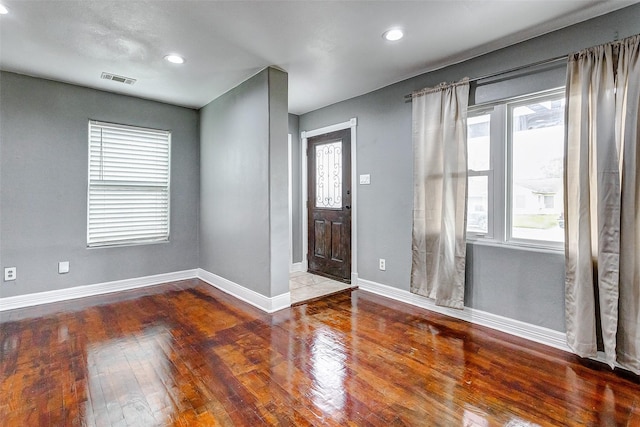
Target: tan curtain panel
[
  {"x": 440, "y": 193},
  {"x": 602, "y": 226}
]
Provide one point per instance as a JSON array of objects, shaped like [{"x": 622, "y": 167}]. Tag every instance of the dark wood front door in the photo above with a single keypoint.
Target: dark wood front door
[{"x": 329, "y": 205}]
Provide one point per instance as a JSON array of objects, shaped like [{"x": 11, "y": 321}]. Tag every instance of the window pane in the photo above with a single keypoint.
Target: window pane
[
  {"x": 329, "y": 175},
  {"x": 537, "y": 156},
  {"x": 478, "y": 204},
  {"x": 478, "y": 143}
]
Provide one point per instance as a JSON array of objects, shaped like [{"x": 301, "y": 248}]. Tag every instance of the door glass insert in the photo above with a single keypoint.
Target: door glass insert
[{"x": 329, "y": 175}]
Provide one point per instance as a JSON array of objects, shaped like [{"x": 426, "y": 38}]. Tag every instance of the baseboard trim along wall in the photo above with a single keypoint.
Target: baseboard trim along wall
[
  {"x": 503, "y": 324},
  {"x": 271, "y": 304},
  {"x": 247, "y": 295},
  {"x": 28, "y": 300}
]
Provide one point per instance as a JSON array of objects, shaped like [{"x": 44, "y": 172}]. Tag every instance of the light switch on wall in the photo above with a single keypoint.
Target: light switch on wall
[{"x": 365, "y": 179}]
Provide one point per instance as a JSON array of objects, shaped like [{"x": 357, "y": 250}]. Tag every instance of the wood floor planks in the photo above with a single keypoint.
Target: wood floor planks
[{"x": 185, "y": 354}]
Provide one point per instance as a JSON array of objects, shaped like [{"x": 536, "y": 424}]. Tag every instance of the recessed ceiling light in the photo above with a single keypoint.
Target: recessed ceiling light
[
  {"x": 3, "y": 9},
  {"x": 175, "y": 59},
  {"x": 393, "y": 34}
]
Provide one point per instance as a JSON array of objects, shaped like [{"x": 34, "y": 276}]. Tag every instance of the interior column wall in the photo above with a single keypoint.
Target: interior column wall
[{"x": 244, "y": 234}]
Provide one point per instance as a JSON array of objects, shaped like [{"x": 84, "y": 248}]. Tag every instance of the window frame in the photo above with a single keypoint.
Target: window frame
[
  {"x": 133, "y": 184},
  {"x": 501, "y": 164}
]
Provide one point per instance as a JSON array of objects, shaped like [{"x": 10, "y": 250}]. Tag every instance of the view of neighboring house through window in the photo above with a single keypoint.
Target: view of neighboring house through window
[
  {"x": 515, "y": 157},
  {"x": 537, "y": 158},
  {"x": 128, "y": 197}
]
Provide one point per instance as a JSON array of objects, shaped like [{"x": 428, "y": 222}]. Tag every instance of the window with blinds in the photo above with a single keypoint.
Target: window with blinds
[{"x": 128, "y": 200}]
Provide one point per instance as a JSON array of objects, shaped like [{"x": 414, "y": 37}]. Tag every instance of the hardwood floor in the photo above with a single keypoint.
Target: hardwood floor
[{"x": 186, "y": 354}]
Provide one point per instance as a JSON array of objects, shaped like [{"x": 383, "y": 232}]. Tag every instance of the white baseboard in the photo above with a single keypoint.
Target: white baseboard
[
  {"x": 296, "y": 267},
  {"x": 258, "y": 300},
  {"x": 247, "y": 295},
  {"x": 28, "y": 300},
  {"x": 514, "y": 327},
  {"x": 510, "y": 326}
]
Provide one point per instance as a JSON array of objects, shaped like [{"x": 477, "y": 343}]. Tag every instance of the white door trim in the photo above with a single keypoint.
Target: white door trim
[
  {"x": 290, "y": 195},
  {"x": 352, "y": 124}
]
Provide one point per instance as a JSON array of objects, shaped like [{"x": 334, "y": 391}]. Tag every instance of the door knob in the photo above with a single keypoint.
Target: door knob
[{"x": 347, "y": 207}]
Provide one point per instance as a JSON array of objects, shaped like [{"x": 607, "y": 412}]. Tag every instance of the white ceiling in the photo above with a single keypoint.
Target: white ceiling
[{"x": 332, "y": 50}]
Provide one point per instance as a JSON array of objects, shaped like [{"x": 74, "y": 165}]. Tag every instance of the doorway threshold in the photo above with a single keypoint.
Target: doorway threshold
[{"x": 306, "y": 287}]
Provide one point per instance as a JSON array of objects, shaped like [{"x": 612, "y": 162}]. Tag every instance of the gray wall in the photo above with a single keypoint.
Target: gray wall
[
  {"x": 43, "y": 185},
  {"x": 238, "y": 162},
  {"x": 517, "y": 283},
  {"x": 523, "y": 285}
]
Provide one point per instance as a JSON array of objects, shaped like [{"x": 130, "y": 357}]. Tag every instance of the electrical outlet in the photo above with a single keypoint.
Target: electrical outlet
[
  {"x": 10, "y": 273},
  {"x": 383, "y": 264}
]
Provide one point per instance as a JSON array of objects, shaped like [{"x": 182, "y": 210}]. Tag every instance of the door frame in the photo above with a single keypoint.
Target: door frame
[
  {"x": 352, "y": 124},
  {"x": 290, "y": 197}
]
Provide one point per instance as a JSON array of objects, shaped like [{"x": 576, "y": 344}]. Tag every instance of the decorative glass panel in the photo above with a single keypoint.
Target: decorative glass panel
[{"x": 329, "y": 175}]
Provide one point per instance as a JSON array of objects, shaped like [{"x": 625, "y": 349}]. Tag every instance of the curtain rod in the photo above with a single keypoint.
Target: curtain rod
[{"x": 510, "y": 70}]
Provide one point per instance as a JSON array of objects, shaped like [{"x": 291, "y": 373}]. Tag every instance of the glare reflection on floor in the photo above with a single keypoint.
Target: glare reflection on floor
[
  {"x": 117, "y": 368},
  {"x": 328, "y": 358},
  {"x": 474, "y": 419}
]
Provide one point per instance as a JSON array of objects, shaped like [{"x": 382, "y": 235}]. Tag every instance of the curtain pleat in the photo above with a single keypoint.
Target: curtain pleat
[
  {"x": 601, "y": 177},
  {"x": 440, "y": 192}
]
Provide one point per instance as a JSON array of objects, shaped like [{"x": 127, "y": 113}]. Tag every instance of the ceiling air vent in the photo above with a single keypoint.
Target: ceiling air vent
[{"x": 119, "y": 79}]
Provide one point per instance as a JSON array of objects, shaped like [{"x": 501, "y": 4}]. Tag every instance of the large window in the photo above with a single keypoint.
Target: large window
[
  {"x": 128, "y": 197},
  {"x": 516, "y": 156}
]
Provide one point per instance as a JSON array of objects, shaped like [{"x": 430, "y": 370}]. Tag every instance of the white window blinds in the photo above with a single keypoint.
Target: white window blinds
[{"x": 128, "y": 200}]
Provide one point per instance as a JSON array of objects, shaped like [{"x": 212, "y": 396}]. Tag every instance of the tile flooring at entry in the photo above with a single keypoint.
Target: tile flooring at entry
[{"x": 306, "y": 286}]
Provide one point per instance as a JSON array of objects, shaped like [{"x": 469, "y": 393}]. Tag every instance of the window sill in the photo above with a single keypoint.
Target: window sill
[
  {"x": 480, "y": 241},
  {"x": 128, "y": 244}
]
